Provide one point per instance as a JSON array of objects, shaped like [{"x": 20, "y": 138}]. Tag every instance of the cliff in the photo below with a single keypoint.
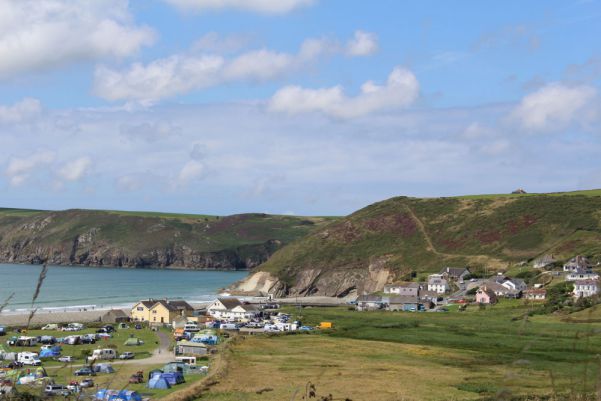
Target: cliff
[
  {"x": 406, "y": 238},
  {"x": 130, "y": 239}
]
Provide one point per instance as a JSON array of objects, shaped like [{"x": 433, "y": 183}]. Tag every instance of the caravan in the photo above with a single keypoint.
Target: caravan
[
  {"x": 106, "y": 353},
  {"x": 186, "y": 360},
  {"x": 29, "y": 358}
]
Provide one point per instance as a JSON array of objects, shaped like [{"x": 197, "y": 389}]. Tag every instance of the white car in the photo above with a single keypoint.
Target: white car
[{"x": 66, "y": 358}]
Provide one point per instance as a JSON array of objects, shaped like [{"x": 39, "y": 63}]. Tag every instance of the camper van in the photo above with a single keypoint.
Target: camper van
[
  {"x": 191, "y": 327},
  {"x": 51, "y": 326},
  {"x": 73, "y": 327},
  {"x": 105, "y": 353},
  {"x": 25, "y": 341},
  {"x": 186, "y": 360},
  {"x": 29, "y": 358},
  {"x": 228, "y": 326}
]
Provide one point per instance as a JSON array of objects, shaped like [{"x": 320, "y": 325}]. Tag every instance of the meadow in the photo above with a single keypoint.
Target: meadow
[{"x": 498, "y": 353}]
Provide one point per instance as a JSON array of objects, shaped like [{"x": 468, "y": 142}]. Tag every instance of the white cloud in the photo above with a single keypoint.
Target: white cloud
[
  {"x": 150, "y": 131},
  {"x": 20, "y": 111},
  {"x": 363, "y": 44},
  {"x": 555, "y": 106},
  {"x": 41, "y": 34},
  {"x": 215, "y": 43},
  {"x": 181, "y": 73},
  {"x": 19, "y": 170},
  {"x": 76, "y": 169},
  {"x": 400, "y": 90},
  {"x": 259, "y": 6},
  {"x": 130, "y": 183},
  {"x": 192, "y": 170}
]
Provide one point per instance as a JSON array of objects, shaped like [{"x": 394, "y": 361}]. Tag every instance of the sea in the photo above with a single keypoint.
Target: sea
[{"x": 89, "y": 288}]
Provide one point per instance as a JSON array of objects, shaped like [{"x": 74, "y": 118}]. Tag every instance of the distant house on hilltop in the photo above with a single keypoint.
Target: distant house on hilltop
[
  {"x": 518, "y": 191},
  {"x": 582, "y": 274},
  {"x": 454, "y": 273},
  {"x": 577, "y": 263},
  {"x": 585, "y": 288},
  {"x": 544, "y": 261}
]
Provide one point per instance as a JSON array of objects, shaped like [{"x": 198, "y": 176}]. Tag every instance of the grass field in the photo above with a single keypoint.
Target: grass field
[
  {"x": 495, "y": 353},
  {"x": 589, "y": 192}
]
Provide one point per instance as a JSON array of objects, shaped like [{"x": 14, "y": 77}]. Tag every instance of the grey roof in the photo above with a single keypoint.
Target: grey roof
[
  {"x": 403, "y": 300},
  {"x": 454, "y": 271},
  {"x": 230, "y": 303},
  {"x": 369, "y": 298},
  {"x": 403, "y": 285}
]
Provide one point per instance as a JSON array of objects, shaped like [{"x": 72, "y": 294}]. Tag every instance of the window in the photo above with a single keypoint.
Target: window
[
  {"x": 154, "y": 311},
  {"x": 140, "y": 309}
]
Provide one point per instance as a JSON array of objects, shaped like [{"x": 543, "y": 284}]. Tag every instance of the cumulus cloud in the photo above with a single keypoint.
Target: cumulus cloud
[
  {"x": 76, "y": 169},
  {"x": 181, "y": 73},
  {"x": 41, "y": 34},
  {"x": 556, "y": 106},
  {"x": 20, "y": 111},
  {"x": 363, "y": 44},
  {"x": 400, "y": 90},
  {"x": 215, "y": 43},
  {"x": 20, "y": 169},
  {"x": 191, "y": 171},
  {"x": 150, "y": 131},
  {"x": 259, "y": 6}
]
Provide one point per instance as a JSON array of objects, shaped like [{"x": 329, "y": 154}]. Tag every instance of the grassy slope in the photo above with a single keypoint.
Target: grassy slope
[
  {"x": 424, "y": 234},
  {"x": 141, "y": 231},
  {"x": 418, "y": 356}
]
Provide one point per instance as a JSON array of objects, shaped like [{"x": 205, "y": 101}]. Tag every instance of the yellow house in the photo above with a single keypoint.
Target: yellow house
[
  {"x": 140, "y": 312},
  {"x": 160, "y": 311}
]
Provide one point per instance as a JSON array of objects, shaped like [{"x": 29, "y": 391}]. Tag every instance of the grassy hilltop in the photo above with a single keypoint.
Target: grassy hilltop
[
  {"x": 401, "y": 236},
  {"x": 137, "y": 239}
]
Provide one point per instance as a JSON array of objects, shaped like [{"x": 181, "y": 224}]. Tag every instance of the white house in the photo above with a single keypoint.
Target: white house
[
  {"x": 231, "y": 309},
  {"x": 585, "y": 288},
  {"x": 438, "y": 284},
  {"x": 577, "y": 263},
  {"x": 582, "y": 274},
  {"x": 407, "y": 289},
  {"x": 516, "y": 284}
]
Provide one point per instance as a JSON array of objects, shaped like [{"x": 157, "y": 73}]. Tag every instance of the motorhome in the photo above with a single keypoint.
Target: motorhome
[
  {"x": 187, "y": 360},
  {"x": 29, "y": 358},
  {"x": 105, "y": 353},
  {"x": 228, "y": 326},
  {"x": 24, "y": 341},
  {"x": 191, "y": 327}
]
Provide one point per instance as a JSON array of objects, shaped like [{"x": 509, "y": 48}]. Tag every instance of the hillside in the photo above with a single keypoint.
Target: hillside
[
  {"x": 145, "y": 239},
  {"x": 402, "y": 237}
]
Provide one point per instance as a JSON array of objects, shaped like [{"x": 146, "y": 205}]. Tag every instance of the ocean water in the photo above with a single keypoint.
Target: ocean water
[{"x": 102, "y": 287}]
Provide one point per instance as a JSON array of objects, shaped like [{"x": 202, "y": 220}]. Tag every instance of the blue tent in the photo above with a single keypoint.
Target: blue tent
[
  {"x": 111, "y": 395},
  {"x": 50, "y": 352},
  {"x": 206, "y": 339},
  {"x": 158, "y": 382},
  {"x": 172, "y": 378}
]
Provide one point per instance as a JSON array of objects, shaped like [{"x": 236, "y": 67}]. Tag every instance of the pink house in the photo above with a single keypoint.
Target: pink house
[{"x": 485, "y": 296}]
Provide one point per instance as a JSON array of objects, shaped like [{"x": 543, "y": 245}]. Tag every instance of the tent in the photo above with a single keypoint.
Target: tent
[
  {"x": 50, "y": 352},
  {"x": 172, "y": 378},
  {"x": 158, "y": 382},
  {"x": 103, "y": 368},
  {"x": 154, "y": 372},
  {"x": 206, "y": 339},
  {"x": 133, "y": 341},
  {"x": 113, "y": 395}
]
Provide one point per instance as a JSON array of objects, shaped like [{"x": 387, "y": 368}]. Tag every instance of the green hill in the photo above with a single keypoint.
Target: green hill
[
  {"x": 146, "y": 239},
  {"x": 403, "y": 237}
]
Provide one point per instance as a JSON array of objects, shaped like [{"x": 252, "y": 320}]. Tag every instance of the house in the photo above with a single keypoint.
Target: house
[
  {"x": 454, "y": 273},
  {"x": 140, "y": 312},
  {"x": 370, "y": 302},
  {"x": 577, "y": 263},
  {"x": 535, "y": 294},
  {"x": 438, "y": 284},
  {"x": 160, "y": 310},
  {"x": 485, "y": 295},
  {"x": 501, "y": 290},
  {"x": 114, "y": 316},
  {"x": 519, "y": 191},
  {"x": 190, "y": 348},
  {"x": 544, "y": 261},
  {"x": 406, "y": 303},
  {"x": 585, "y": 288},
  {"x": 403, "y": 289},
  {"x": 516, "y": 284},
  {"x": 430, "y": 297},
  {"x": 231, "y": 309},
  {"x": 582, "y": 274}
]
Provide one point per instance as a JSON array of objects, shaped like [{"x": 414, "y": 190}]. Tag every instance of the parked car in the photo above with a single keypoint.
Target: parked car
[
  {"x": 85, "y": 383},
  {"x": 51, "y": 326},
  {"x": 127, "y": 355},
  {"x": 85, "y": 371},
  {"x": 66, "y": 359},
  {"x": 56, "y": 389},
  {"x": 88, "y": 339},
  {"x": 137, "y": 377}
]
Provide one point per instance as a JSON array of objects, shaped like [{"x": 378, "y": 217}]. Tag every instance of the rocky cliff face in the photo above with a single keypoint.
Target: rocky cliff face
[{"x": 91, "y": 238}]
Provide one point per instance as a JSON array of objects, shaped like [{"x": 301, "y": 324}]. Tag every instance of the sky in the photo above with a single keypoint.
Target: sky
[{"x": 307, "y": 107}]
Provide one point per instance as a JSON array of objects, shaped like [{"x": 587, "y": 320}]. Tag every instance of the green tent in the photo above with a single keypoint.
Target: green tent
[{"x": 133, "y": 341}]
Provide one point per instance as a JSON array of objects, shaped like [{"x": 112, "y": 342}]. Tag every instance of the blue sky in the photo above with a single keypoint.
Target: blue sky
[{"x": 294, "y": 106}]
